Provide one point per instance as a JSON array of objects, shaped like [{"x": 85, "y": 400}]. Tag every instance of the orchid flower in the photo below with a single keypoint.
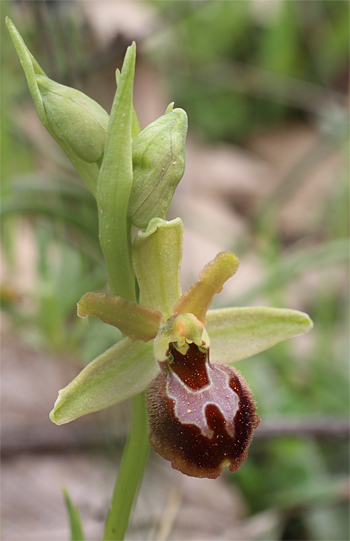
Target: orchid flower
[{"x": 201, "y": 414}]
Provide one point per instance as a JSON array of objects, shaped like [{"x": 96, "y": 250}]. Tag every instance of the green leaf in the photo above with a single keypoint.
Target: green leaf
[
  {"x": 119, "y": 373},
  {"x": 157, "y": 254},
  {"x": 197, "y": 299},
  {"x": 76, "y": 527},
  {"x": 114, "y": 185},
  {"x": 237, "y": 333},
  {"x": 135, "y": 321}
]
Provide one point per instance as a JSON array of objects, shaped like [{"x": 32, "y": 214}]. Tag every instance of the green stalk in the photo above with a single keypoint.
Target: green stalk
[
  {"x": 130, "y": 473},
  {"x": 113, "y": 192}
]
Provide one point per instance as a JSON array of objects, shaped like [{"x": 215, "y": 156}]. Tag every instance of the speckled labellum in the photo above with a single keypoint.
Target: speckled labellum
[{"x": 202, "y": 415}]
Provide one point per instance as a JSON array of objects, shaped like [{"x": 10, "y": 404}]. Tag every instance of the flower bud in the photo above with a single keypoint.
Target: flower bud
[
  {"x": 158, "y": 166},
  {"x": 201, "y": 415},
  {"x": 77, "y": 120}
]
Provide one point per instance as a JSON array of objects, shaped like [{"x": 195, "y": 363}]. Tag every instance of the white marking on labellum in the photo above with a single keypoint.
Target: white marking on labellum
[{"x": 213, "y": 393}]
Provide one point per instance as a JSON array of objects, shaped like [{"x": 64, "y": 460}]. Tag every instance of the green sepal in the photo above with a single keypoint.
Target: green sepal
[
  {"x": 114, "y": 186},
  {"x": 157, "y": 255},
  {"x": 76, "y": 526},
  {"x": 134, "y": 321},
  {"x": 88, "y": 171},
  {"x": 158, "y": 166},
  {"x": 135, "y": 124},
  {"x": 121, "y": 372},
  {"x": 76, "y": 120},
  {"x": 237, "y": 333},
  {"x": 197, "y": 299}
]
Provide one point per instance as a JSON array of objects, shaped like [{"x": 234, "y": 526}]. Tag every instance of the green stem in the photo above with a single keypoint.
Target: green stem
[
  {"x": 113, "y": 191},
  {"x": 130, "y": 473}
]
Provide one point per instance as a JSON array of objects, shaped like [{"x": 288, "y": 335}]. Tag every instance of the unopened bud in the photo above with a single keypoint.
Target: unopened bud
[
  {"x": 158, "y": 166},
  {"x": 75, "y": 119}
]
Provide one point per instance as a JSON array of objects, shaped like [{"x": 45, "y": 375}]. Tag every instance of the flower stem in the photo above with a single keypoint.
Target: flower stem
[{"x": 130, "y": 473}]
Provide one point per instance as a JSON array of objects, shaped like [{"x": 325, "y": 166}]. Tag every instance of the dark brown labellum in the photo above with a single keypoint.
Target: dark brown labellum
[{"x": 202, "y": 415}]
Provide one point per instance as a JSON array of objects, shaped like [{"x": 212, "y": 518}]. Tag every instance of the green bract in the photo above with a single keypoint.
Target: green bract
[
  {"x": 129, "y": 367},
  {"x": 158, "y": 166},
  {"x": 114, "y": 185}
]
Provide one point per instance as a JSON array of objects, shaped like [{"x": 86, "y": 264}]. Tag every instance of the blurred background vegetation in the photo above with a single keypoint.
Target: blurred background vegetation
[{"x": 263, "y": 81}]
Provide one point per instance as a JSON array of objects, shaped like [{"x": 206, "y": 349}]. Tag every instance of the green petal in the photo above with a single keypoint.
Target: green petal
[
  {"x": 135, "y": 321},
  {"x": 237, "y": 333},
  {"x": 157, "y": 256},
  {"x": 121, "y": 372},
  {"x": 198, "y": 298}
]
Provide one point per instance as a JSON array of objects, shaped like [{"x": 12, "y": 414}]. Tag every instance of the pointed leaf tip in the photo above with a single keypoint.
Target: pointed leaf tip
[{"x": 76, "y": 526}]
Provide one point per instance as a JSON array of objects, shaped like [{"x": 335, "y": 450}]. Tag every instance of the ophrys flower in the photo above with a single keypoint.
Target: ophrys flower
[{"x": 201, "y": 414}]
